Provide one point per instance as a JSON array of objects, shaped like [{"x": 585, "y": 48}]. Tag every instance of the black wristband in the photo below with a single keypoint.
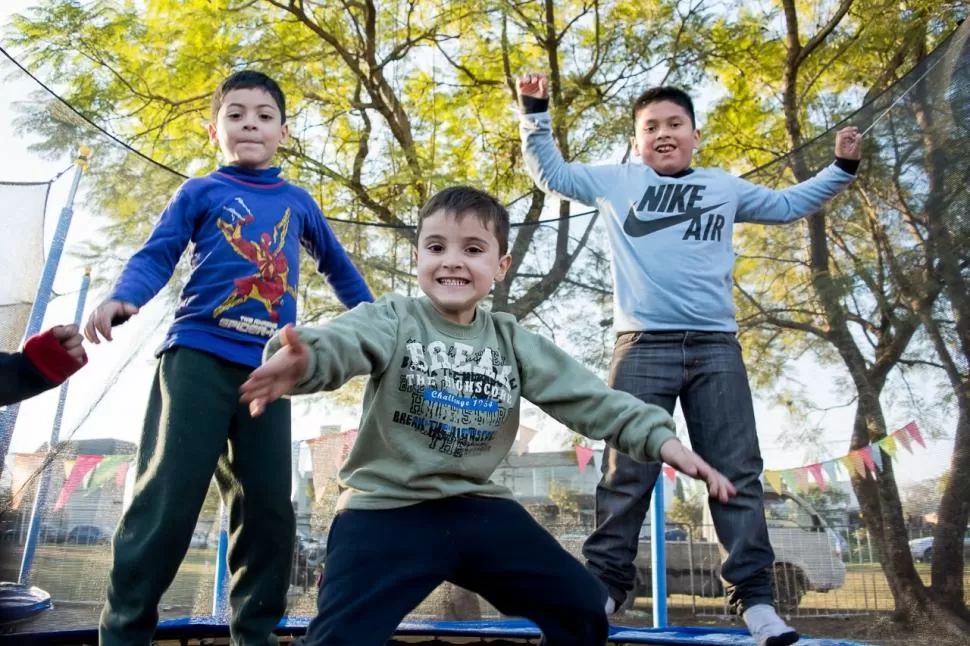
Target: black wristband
[
  {"x": 531, "y": 104},
  {"x": 851, "y": 166}
]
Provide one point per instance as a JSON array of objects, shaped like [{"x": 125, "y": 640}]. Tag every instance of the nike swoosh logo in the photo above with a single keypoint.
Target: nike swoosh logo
[{"x": 637, "y": 228}]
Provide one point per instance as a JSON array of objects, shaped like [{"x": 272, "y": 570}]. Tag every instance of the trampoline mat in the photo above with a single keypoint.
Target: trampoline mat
[{"x": 495, "y": 632}]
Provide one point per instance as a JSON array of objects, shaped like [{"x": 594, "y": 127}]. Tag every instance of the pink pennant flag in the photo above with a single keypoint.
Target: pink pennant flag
[
  {"x": 121, "y": 474},
  {"x": 816, "y": 471},
  {"x": 801, "y": 477},
  {"x": 82, "y": 466},
  {"x": 902, "y": 437},
  {"x": 583, "y": 455},
  {"x": 670, "y": 472},
  {"x": 866, "y": 453},
  {"x": 913, "y": 430}
]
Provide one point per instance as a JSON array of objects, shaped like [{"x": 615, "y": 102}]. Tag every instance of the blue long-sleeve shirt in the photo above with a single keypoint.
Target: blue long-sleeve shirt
[
  {"x": 670, "y": 235},
  {"x": 247, "y": 227}
]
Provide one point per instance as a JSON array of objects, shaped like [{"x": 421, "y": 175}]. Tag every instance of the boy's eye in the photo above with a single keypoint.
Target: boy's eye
[
  {"x": 474, "y": 250},
  {"x": 233, "y": 115},
  {"x": 434, "y": 247},
  {"x": 266, "y": 117}
]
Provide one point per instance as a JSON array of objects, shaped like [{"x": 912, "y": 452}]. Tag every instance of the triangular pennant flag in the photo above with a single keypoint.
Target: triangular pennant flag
[
  {"x": 888, "y": 445},
  {"x": 598, "y": 460},
  {"x": 774, "y": 479},
  {"x": 801, "y": 477},
  {"x": 913, "y": 430},
  {"x": 789, "y": 477},
  {"x": 670, "y": 472},
  {"x": 25, "y": 467},
  {"x": 82, "y": 467},
  {"x": 866, "y": 454},
  {"x": 831, "y": 470},
  {"x": 902, "y": 437},
  {"x": 106, "y": 469},
  {"x": 816, "y": 471},
  {"x": 526, "y": 434},
  {"x": 876, "y": 453},
  {"x": 858, "y": 464},
  {"x": 847, "y": 464},
  {"x": 68, "y": 466},
  {"x": 583, "y": 455},
  {"x": 121, "y": 474}
]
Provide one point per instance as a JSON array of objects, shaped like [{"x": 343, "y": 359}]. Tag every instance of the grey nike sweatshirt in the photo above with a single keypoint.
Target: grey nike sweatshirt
[{"x": 672, "y": 257}]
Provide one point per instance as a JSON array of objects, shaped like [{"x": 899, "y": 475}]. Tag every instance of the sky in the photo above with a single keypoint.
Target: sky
[{"x": 128, "y": 362}]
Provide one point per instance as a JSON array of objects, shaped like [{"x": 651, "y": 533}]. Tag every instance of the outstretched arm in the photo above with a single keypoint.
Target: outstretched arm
[
  {"x": 543, "y": 160},
  {"x": 768, "y": 206},
  {"x": 332, "y": 260}
]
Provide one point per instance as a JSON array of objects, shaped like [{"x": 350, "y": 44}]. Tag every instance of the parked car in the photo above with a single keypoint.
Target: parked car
[
  {"x": 922, "y": 548},
  {"x": 88, "y": 535}
]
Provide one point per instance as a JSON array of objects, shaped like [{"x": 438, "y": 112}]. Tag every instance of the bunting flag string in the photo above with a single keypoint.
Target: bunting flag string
[{"x": 864, "y": 461}]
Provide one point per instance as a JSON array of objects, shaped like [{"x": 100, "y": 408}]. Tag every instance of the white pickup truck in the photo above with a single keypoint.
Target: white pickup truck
[{"x": 808, "y": 555}]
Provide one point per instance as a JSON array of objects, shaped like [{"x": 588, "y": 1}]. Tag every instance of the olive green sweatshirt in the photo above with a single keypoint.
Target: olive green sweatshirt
[{"x": 441, "y": 408}]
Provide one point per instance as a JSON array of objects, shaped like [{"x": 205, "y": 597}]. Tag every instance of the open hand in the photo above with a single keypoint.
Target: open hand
[
  {"x": 278, "y": 375},
  {"x": 689, "y": 463},
  {"x": 109, "y": 313},
  {"x": 534, "y": 85},
  {"x": 848, "y": 143}
]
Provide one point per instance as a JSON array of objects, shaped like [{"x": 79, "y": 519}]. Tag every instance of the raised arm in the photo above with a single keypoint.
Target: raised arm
[
  {"x": 332, "y": 260},
  {"x": 543, "y": 160},
  {"x": 768, "y": 206}
]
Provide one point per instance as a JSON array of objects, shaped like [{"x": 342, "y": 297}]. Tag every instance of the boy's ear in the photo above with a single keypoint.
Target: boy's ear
[
  {"x": 633, "y": 145},
  {"x": 503, "y": 267},
  {"x": 213, "y": 134},
  {"x": 286, "y": 133},
  {"x": 697, "y": 138}
]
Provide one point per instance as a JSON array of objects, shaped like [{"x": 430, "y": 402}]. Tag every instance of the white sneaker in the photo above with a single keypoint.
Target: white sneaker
[
  {"x": 767, "y": 628},
  {"x": 610, "y": 606}
]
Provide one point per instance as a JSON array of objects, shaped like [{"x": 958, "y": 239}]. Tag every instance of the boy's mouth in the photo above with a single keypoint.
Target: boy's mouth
[
  {"x": 665, "y": 148},
  {"x": 453, "y": 282}
]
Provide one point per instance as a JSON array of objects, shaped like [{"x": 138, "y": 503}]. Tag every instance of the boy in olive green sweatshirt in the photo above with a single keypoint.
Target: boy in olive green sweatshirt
[{"x": 441, "y": 411}]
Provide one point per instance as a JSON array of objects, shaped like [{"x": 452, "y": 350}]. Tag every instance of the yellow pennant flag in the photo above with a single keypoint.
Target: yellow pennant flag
[
  {"x": 774, "y": 479},
  {"x": 888, "y": 445},
  {"x": 68, "y": 467},
  {"x": 847, "y": 464}
]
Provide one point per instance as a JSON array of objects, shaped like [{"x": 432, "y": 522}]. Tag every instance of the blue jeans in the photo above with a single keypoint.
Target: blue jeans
[{"x": 706, "y": 371}]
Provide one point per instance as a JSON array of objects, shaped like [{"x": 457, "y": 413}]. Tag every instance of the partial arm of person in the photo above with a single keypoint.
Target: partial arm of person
[
  {"x": 332, "y": 260},
  {"x": 768, "y": 206},
  {"x": 48, "y": 359},
  {"x": 571, "y": 394},
  {"x": 358, "y": 342},
  {"x": 544, "y": 162},
  {"x": 147, "y": 271}
]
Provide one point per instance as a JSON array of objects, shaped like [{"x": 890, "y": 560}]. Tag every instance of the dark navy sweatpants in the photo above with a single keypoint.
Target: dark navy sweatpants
[{"x": 382, "y": 563}]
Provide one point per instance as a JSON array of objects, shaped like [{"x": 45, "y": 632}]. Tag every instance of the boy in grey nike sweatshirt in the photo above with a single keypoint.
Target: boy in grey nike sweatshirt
[
  {"x": 440, "y": 412},
  {"x": 670, "y": 229}
]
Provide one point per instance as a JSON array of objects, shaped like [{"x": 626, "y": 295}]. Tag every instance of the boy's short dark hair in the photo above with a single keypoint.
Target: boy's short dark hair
[
  {"x": 665, "y": 93},
  {"x": 462, "y": 200},
  {"x": 246, "y": 80}
]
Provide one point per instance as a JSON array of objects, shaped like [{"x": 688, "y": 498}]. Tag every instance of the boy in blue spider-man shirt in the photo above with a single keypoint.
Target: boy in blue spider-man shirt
[{"x": 247, "y": 224}]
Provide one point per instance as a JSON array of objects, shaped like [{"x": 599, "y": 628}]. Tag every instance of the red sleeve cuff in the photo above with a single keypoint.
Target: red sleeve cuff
[{"x": 50, "y": 358}]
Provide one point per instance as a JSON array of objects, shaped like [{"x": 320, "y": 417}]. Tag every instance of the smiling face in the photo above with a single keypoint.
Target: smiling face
[
  {"x": 458, "y": 258},
  {"x": 665, "y": 137},
  {"x": 249, "y": 128}
]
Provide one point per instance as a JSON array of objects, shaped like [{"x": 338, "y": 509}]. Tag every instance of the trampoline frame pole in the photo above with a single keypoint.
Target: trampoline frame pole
[
  {"x": 8, "y": 416},
  {"x": 40, "y": 500},
  {"x": 220, "y": 597},
  {"x": 658, "y": 554}
]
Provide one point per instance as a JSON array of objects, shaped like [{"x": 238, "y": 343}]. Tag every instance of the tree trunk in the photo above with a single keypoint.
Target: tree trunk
[{"x": 954, "y": 512}]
